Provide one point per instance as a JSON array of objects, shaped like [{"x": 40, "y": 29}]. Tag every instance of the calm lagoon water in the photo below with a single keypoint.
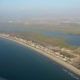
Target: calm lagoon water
[
  {"x": 72, "y": 39},
  {"x": 18, "y": 62}
]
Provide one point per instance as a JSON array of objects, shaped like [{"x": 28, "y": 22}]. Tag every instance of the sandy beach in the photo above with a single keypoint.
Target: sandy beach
[{"x": 66, "y": 65}]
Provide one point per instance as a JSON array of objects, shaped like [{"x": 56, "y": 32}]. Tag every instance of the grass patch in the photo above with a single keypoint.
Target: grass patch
[{"x": 55, "y": 41}]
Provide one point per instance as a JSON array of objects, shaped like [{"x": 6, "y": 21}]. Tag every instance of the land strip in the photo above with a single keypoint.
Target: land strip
[{"x": 44, "y": 51}]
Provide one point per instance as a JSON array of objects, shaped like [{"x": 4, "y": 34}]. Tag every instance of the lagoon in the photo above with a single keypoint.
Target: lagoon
[{"x": 73, "y": 39}]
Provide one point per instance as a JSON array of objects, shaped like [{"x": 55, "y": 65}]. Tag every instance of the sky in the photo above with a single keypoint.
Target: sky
[{"x": 39, "y": 8}]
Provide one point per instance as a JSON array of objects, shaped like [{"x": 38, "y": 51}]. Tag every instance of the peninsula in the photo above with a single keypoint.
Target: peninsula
[{"x": 48, "y": 52}]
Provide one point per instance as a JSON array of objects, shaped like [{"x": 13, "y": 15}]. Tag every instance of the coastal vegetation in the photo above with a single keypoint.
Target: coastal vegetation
[
  {"x": 57, "y": 28},
  {"x": 41, "y": 38}
]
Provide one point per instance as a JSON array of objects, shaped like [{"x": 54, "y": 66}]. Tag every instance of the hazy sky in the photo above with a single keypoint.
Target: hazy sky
[{"x": 39, "y": 7}]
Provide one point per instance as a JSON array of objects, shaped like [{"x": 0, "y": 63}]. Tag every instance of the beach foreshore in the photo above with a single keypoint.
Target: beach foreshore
[{"x": 59, "y": 61}]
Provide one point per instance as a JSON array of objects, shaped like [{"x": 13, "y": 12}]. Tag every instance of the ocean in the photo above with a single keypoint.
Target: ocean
[{"x": 18, "y": 62}]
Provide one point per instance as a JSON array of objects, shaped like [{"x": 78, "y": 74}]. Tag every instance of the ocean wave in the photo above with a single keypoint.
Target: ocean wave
[{"x": 71, "y": 74}]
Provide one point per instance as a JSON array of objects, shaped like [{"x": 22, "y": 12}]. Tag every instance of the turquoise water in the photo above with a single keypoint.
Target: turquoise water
[
  {"x": 18, "y": 62},
  {"x": 72, "y": 39}
]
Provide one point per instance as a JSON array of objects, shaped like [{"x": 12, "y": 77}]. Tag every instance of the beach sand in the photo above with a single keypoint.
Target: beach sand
[{"x": 59, "y": 61}]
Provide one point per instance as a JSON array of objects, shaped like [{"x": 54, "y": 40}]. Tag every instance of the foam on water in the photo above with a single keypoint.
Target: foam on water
[{"x": 71, "y": 74}]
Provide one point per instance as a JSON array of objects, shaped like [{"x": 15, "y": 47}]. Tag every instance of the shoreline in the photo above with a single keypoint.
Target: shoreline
[{"x": 62, "y": 63}]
